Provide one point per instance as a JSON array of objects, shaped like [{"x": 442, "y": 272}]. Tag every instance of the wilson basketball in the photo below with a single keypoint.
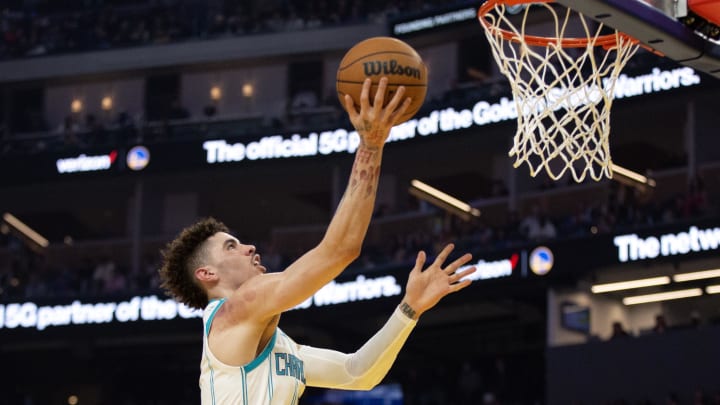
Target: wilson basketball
[{"x": 383, "y": 56}]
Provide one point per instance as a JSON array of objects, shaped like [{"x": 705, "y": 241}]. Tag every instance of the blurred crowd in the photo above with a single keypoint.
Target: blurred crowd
[
  {"x": 43, "y": 27},
  {"x": 80, "y": 132},
  {"x": 29, "y": 274}
]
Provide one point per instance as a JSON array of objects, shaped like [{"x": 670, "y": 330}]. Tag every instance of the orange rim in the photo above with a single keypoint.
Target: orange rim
[{"x": 606, "y": 41}]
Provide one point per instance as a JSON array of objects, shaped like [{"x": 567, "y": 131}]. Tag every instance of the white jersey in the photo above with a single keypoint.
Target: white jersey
[{"x": 275, "y": 377}]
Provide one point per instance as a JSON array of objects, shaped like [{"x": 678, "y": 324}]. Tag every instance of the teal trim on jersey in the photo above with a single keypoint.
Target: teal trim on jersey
[
  {"x": 207, "y": 333},
  {"x": 212, "y": 315},
  {"x": 271, "y": 383},
  {"x": 265, "y": 353},
  {"x": 244, "y": 386},
  {"x": 212, "y": 383}
]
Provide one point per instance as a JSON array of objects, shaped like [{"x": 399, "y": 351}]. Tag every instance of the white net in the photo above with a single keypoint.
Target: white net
[{"x": 563, "y": 88}]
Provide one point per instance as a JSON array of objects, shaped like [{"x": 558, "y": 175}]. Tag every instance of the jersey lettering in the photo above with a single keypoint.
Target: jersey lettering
[{"x": 288, "y": 365}]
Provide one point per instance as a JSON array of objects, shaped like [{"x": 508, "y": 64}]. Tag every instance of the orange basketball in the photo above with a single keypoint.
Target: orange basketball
[{"x": 383, "y": 56}]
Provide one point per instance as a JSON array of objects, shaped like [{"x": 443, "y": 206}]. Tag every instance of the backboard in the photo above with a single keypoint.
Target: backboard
[{"x": 687, "y": 31}]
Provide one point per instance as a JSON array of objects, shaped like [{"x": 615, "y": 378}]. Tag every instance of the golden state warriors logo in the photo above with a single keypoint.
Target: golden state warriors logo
[
  {"x": 138, "y": 158},
  {"x": 541, "y": 260}
]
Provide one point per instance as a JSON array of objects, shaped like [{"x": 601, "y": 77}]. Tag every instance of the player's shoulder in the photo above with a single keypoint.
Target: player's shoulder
[{"x": 246, "y": 303}]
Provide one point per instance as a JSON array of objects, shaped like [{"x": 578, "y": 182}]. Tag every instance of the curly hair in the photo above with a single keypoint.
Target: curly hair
[{"x": 182, "y": 256}]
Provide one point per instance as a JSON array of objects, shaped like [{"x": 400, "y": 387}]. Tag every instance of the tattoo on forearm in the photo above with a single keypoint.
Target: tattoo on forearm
[
  {"x": 365, "y": 175},
  {"x": 364, "y": 155},
  {"x": 374, "y": 178},
  {"x": 407, "y": 310}
]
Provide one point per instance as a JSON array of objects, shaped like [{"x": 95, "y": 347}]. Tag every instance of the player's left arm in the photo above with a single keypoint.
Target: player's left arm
[{"x": 365, "y": 368}]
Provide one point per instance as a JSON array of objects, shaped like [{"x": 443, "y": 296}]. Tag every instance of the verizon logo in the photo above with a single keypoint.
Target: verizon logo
[
  {"x": 495, "y": 269},
  {"x": 84, "y": 163}
]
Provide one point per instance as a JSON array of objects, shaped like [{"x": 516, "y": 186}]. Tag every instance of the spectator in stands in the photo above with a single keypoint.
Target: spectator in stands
[
  {"x": 675, "y": 208},
  {"x": 695, "y": 321},
  {"x": 660, "y": 325},
  {"x": 618, "y": 332},
  {"x": 541, "y": 230},
  {"x": 469, "y": 383},
  {"x": 530, "y": 221},
  {"x": 177, "y": 111},
  {"x": 85, "y": 277},
  {"x": 117, "y": 283},
  {"x": 103, "y": 275},
  {"x": 70, "y": 129},
  {"x": 696, "y": 200},
  {"x": 143, "y": 279},
  {"x": 96, "y": 134}
]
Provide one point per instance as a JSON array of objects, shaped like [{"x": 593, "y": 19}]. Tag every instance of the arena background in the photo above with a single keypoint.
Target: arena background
[{"x": 209, "y": 89}]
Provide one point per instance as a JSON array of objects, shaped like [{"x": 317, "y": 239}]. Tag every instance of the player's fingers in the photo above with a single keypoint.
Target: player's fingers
[
  {"x": 380, "y": 95},
  {"x": 419, "y": 261},
  {"x": 395, "y": 116},
  {"x": 395, "y": 101},
  {"x": 350, "y": 106},
  {"x": 458, "y": 262},
  {"x": 459, "y": 286},
  {"x": 458, "y": 275},
  {"x": 443, "y": 255},
  {"x": 365, "y": 95}
]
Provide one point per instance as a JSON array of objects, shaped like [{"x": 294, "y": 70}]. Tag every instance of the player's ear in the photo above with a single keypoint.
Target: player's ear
[{"x": 205, "y": 273}]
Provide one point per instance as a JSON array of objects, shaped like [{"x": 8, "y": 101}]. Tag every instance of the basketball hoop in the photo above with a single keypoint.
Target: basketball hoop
[{"x": 563, "y": 86}]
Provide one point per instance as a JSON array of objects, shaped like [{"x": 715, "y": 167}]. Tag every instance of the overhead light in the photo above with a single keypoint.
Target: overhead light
[
  {"x": 25, "y": 230},
  {"x": 627, "y": 285},
  {"x": 248, "y": 90},
  {"x": 631, "y": 178},
  {"x": 443, "y": 200},
  {"x": 713, "y": 289},
  {"x": 106, "y": 103},
  {"x": 76, "y": 105},
  {"x": 215, "y": 93},
  {"x": 696, "y": 275},
  {"x": 670, "y": 295}
]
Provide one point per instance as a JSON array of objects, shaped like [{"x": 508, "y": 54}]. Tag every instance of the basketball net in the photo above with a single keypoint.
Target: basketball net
[{"x": 563, "y": 87}]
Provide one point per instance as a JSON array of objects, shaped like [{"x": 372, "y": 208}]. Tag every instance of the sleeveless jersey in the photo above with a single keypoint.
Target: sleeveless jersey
[{"x": 275, "y": 377}]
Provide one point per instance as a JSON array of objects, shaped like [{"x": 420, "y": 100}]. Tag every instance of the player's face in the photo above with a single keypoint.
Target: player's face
[{"x": 234, "y": 261}]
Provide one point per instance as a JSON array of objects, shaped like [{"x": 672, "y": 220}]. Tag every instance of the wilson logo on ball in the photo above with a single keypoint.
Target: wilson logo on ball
[
  {"x": 391, "y": 67},
  {"x": 379, "y": 57}
]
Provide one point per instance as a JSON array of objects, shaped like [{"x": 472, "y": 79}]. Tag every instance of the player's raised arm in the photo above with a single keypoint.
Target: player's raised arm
[
  {"x": 273, "y": 293},
  {"x": 368, "y": 366}
]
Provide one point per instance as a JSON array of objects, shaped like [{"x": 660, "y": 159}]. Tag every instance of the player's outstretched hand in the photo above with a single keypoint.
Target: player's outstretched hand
[
  {"x": 373, "y": 122},
  {"x": 426, "y": 287}
]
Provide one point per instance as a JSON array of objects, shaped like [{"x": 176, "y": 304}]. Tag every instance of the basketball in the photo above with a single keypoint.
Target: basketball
[{"x": 383, "y": 56}]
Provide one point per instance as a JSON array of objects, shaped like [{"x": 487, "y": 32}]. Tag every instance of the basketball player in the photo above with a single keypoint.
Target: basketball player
[{"x": 246, "y": 358}]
